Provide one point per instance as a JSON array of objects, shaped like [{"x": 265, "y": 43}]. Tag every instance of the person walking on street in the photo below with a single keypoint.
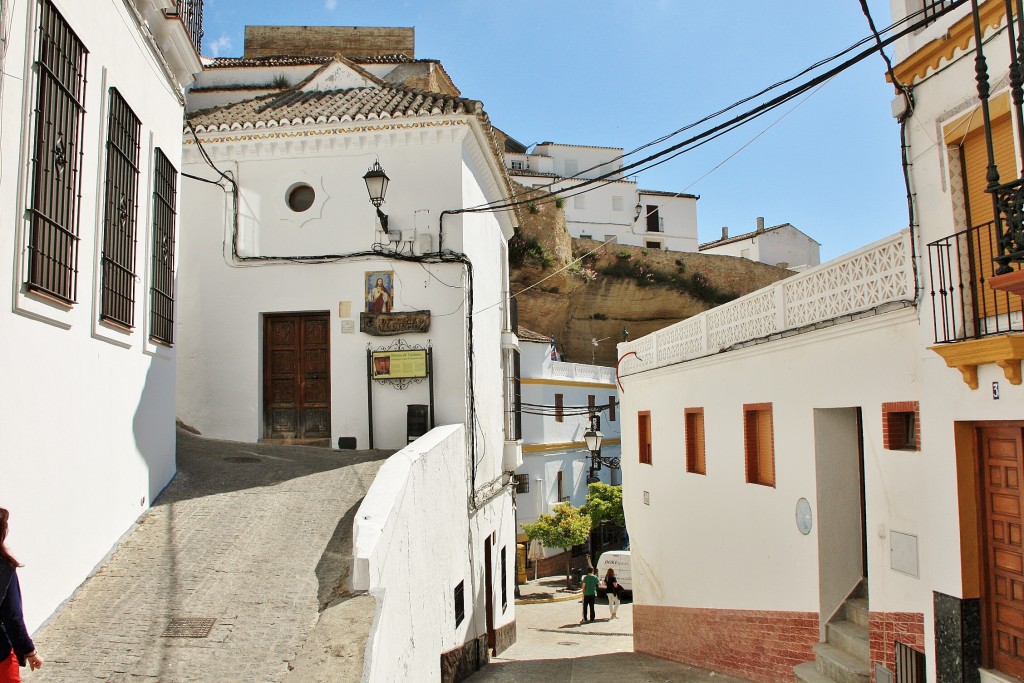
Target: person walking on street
[
  {"x": 15, "y": 644},
  {"x": 614, "y": 589},
  {"x": 589, "y": 594}
]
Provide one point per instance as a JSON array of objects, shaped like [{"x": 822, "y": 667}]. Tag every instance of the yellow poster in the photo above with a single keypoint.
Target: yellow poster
[{"x": 399, "y": 364}]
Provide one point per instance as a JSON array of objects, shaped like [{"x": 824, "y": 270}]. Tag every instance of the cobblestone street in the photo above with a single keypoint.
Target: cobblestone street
[{"x": 249, "y": 541}]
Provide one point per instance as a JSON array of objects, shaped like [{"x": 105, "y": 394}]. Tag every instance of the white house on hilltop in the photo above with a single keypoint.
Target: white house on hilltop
[
  {"x": 308, "y": 315},
  {"x": 90, "y": 109},
  {"x": 779, "y": 245},
  {"x": 614, "y": 210},
  {"x": 557, "y": 399}
]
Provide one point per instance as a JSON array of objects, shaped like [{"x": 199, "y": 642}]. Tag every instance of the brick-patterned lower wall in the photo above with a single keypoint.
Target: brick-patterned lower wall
[
  {"x": 555, "y": 565},
  {"x": 885, "y": 628},
  {"x": 755, "y": 645}
]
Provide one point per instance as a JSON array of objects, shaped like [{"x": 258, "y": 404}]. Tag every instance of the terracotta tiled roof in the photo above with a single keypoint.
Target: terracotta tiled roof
[
  {"x": 660, "y": 193},
  {"x": 748, "y": 235},
  {"x": 236, "y": 62},
  {"x": 528, "y": 172},
  {"x": 296, "y": 107},
  {"x": 388, "y": 59},
  {"x": 529, "y": 336}
]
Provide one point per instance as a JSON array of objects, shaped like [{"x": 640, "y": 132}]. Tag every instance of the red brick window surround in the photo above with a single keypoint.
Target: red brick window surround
[
  {"x": 759, "y": 443},
  {"x": 901, "y": 429},
  {"x": 695, "y": 441},
  {"x": 643, "y": 433}
]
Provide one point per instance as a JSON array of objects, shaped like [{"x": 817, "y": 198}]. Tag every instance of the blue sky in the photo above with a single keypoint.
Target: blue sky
[{"x": 622, "y": 73}]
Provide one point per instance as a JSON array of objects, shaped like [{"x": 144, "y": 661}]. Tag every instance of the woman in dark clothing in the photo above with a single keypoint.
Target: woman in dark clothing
[{"x": 14, "y": 639}]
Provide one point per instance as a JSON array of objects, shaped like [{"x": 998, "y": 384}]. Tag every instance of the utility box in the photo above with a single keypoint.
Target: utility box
[{"x": 416, "y": 421}]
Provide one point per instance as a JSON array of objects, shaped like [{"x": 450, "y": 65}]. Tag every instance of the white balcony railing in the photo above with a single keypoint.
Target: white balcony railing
[
  {"x": 877, "y": 274},
  {"x": 576, "y": 372}
]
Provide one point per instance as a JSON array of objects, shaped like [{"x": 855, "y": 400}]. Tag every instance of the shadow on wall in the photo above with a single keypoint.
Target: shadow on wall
[{"x": 153, "y": 425}]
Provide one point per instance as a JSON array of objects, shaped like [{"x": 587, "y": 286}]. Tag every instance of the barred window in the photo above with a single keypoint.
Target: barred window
[
  {"x": 120, "y": 207},
  {"x": 522, "y": 482},
  {"x": 165, "y": 184},
  {"x": 56, "y": 158}
]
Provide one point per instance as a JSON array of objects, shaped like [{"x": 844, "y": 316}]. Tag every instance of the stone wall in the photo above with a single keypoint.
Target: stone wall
[{"x": 326, "y": 41}]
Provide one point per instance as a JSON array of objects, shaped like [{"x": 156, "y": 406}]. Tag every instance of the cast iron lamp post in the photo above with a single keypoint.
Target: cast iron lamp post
[
  {"x": 377, "y": 185},
  {"x": 593, "y": 439}
]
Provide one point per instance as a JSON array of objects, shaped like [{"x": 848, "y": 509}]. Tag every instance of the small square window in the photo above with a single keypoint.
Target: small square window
[
  {"x": 586, "y": 237},
  {"x": 616, "y": 203},
  {"x": 695, "y": 441},
  {"x": 522, "y": 482},
  {"x": 518, "y": 165},
  {"x": 460, "y": 602},
  {"x": 901, "y": 426}
]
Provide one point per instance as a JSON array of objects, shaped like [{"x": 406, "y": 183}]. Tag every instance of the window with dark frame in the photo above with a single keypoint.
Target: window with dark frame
[
  {"x": 653, "y": 220},
  {"x": 759, "y": 444},
  {"x": 460, "y": 602},
  {"x": 56, "y": 158},
  {"x": 504, "y": 578},
  {"x": 900, "y": 426},
  {"x": 561, "y": 491},
  {"x": 165, "y": 188},
  {"x": 120, "y": 201},
  {"x": 611, "y": 408},
  {"x": 522, "y": 483},
  {"x": 559, "y": 408},
  {"x": 644, "y": 437},
  {"x": 695, "y": 441}
]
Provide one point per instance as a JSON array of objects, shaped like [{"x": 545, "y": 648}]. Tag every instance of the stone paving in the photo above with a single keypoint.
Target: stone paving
[
  {"x": 254, "y": 538},
  {"x": 552, "y": 646}
]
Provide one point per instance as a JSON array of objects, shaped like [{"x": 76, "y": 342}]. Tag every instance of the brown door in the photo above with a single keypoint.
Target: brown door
[
  {"x": 1002, "y": 467},
  {"x": 296, "y": 376}
]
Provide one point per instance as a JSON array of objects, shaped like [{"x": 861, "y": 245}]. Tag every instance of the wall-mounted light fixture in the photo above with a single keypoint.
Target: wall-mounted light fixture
[
  {"x": 377, "y": 185},
  {"x": 637, "y": 210},
  {"x": 593, "y": 439}
]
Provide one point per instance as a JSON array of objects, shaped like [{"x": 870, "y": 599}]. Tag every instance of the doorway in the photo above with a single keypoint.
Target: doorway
[
  {"x": 841, "y": 519},
  {"x": 1001, "y": 460},
  {"x": 297, "y": 378},
  {"x": 489, "y": 593}
]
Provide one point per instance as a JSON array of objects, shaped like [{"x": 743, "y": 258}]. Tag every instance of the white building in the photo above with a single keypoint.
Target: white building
[
  {"x": 557, "y": 399},
  {"x": 91, "y": 108},
  {"x": 614, "y": 210},
  {"x": 307, "y": 317},
  {"x": 846, "y": 445},
  {"x": 779, "y": 245}
]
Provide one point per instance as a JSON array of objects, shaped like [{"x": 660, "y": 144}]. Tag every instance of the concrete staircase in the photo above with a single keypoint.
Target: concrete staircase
[{"x": 844, "y": 656}]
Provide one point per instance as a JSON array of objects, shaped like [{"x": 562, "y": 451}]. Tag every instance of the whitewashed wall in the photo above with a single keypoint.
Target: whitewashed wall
[
  {"x": 413, "y": 570},
  {"x": 782, "y": 245},
  {"x": 222, "y": 303},
  {"x": 88, "y": 409},
  {"x": 603, "y": 159},
  {"x": 723, "y": 527}
]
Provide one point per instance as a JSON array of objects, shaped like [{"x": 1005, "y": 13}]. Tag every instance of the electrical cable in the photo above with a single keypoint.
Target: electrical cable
[{"x": 743, "y": 118}]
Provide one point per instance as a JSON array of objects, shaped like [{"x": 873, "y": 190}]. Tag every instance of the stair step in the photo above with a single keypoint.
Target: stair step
[
  {"x": 806, "y": 673},
  {"x": 857, "y": 611},
  {"x": 849, "y": 636},
  {"x": 840, "y": 665}
]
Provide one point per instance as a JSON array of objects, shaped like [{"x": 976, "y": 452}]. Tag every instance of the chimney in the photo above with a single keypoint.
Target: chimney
[
  {"x": 725, "y": 232},
  {"x": 760, "y": 223}
]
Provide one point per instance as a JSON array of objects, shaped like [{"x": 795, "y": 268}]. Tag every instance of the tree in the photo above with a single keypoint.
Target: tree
[
  {"x": 566, "y": 527},
  {"x": 604, "y": 504}
]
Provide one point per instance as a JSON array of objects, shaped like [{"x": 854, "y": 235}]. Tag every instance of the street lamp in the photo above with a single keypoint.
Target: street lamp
[
  {"x": 637, "y": 210},
  {"x": 593, "y": 438},
  {"x": 377, "y": 185}
]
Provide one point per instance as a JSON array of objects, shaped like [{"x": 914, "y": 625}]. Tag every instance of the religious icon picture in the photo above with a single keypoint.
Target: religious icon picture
[{"x": 380, "y": 291}]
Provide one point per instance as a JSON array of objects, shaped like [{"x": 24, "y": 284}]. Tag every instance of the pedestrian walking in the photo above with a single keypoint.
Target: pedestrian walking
[
  {"x": 614, "y": 590},
  {"x": 589, "y": 594},
  {"x": 14, "y": 638}
]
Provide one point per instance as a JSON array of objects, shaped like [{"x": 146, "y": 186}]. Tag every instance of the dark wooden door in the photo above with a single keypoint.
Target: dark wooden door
[
  {"x": 1002, "y": 467},
  {"x": 296, "y": 376},
  {"x": 489, "y": 594}
]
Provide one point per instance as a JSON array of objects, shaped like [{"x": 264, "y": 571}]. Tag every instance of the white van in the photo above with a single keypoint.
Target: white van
[{"x": 618, "y": 560}]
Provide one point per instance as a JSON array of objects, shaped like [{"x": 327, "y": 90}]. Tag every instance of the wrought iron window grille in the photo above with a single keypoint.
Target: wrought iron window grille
[{"x": 165, "y": 183}]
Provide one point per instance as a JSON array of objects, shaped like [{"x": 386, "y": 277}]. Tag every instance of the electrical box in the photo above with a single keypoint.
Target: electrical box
[{"x": 903, "y": 553}]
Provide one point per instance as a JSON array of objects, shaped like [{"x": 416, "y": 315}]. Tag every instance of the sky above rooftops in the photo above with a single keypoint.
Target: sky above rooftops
[{"x": 620, "y": 74}]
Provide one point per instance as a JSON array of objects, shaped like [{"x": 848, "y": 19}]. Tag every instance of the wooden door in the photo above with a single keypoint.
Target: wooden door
[
  {"x": 1002, "y": 467},
  {"x": 296, "y": 376}
]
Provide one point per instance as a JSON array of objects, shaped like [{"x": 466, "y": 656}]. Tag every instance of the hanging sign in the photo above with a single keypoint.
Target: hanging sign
[{"x": 399, "y": 364}]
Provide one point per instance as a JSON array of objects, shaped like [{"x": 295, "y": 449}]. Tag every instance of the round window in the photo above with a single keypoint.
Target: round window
[{"x": 300, "y": 197}]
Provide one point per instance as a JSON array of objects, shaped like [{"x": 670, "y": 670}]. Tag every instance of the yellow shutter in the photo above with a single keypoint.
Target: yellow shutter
[{"x": 979, "y": 204}]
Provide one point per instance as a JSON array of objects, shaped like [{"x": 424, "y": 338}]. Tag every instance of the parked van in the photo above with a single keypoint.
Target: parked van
[{"x": 619, "y": 560}]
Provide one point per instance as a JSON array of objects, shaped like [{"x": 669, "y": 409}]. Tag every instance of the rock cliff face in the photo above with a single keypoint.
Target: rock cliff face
[{"x": 614, "y": 287}]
